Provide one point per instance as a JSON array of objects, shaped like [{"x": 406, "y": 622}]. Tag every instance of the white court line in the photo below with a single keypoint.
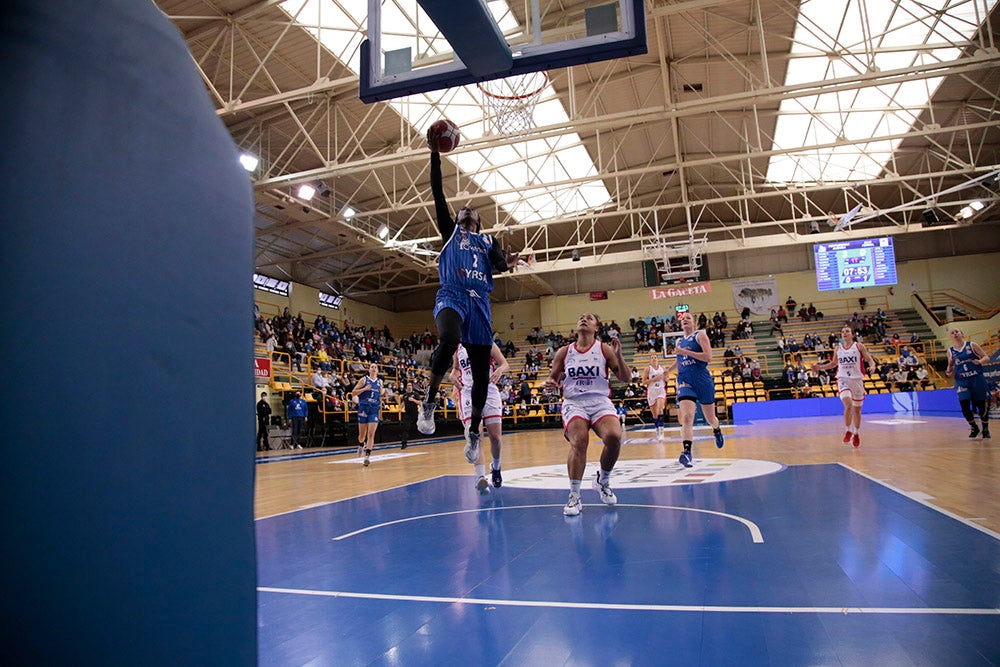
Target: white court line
[
  {"x": 639, "y": 607},
  {"x": 755, "y": 533},
  {"x": 967, "y": 522},
  {"x": 344, "y": 500}
]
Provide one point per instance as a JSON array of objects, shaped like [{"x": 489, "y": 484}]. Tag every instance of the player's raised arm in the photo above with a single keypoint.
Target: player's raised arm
[
  {"x": 446, "y": 224},
  {"x": 502, "y": 366},
  {"x": 616, "y": 362},
  {"x": 554, "y": 379}
]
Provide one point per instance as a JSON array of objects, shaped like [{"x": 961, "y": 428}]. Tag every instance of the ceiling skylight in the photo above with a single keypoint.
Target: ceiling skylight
[
  {"x": 520, "y": 167},
  {"x": 863, "y": 36}
]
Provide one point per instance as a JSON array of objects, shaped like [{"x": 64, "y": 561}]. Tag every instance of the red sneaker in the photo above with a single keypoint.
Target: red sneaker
[
  {"x": 857, "y": 440},
  {"x": 847, "y": 437}
]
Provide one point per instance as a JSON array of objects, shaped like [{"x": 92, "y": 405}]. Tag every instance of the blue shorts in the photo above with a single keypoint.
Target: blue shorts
[
  {"x": 474, "y": 311},
  {"x": 368, "y": 413},
  {"x": 974, "y": 389},
  {"x": 700, "y": 387}
]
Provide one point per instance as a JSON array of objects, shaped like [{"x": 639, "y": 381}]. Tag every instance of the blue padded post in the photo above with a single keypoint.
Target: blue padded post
[
  {"x": 473, "y": 34},
  {"x": 126, "y": 262}
]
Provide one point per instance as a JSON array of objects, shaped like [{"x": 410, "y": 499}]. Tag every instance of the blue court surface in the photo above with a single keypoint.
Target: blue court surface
[{"x": 802, "y": 565}]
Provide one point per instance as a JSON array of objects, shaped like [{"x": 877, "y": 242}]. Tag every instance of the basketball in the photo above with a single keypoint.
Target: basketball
[{"x": 443, "y": 135}]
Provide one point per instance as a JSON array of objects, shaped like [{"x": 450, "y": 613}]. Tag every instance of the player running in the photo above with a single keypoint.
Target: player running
[
  {"x": 461, "y": 376},
  {"x": 581, "y": 369},
  {"x": 368, "y": 392},
  {"x": 965, "y": 363},
  {"x": 655, "y": 379},
  {"x": 694, "y": 383},
  {"x": 847, "y": 359}
]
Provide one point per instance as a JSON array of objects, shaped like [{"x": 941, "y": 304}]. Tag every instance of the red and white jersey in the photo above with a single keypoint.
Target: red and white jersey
[
  {"x": 849, "y": 361},
  {"x": 657, "y": 375},
  {"x": 586, "y": 372},
  {"x": 466, "y": 367}
]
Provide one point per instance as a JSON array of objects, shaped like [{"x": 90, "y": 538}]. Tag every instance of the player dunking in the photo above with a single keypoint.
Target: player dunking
[
  {"x": 694, "y": 383},
  {"x": 461, "y": 376},
  {"x": 587, "y": 405},
  {"x": 462, "y": 305},
  {"x": 965, "y": 362},
  {"x": 655, "y": 377},
  {"x": 850, "y": 380}
]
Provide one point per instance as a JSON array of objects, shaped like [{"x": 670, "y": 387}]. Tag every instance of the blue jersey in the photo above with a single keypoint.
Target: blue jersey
[
  {"x": 465, "y": 262},
  {"x": 689, "y": 367},
  {"x": 372, "y": 393},
  {"x": 965, "y": 370},
  {"x": 694, "y": 381}
]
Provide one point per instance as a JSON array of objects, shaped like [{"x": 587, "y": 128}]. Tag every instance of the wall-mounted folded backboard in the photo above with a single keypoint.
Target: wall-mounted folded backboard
[{"x": 417, "y": 46}]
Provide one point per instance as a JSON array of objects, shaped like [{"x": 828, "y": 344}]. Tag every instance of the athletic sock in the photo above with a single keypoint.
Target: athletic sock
[
  {"x": 495, "y": 465},
  {"x": 574, "y": 486},
  {"x": 604, "y": 476},
  {"x": 687, "y": 446},
  {"x": 480, "y": 470}
]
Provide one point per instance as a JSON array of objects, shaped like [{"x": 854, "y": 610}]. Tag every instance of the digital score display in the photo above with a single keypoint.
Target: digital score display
[{"x": 854, "y": 264}]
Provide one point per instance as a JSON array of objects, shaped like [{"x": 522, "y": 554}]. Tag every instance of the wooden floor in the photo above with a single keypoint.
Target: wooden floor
[{"x": 930, "y": 458}]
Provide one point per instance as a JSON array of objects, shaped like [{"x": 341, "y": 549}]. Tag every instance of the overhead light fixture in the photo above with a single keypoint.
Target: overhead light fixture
[
  {"x": 348, "y": 212},
  {"x": 248, "y": 161},
  {"x": 576, "y": 254},
  {"x": 383, "y": 231},
  {"x": 306, "y": 192},
  {"x": 930, "y": 216},
  {"x": 978, "y": 205}
]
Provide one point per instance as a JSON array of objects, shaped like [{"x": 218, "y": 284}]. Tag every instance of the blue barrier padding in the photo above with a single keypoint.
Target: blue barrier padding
[
  {"x": 127, "y": 256},
  {"x": 931, "y": 401}
]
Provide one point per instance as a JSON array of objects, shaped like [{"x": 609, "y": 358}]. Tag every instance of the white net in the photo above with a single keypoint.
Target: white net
[{"x": 510, "y": 102}]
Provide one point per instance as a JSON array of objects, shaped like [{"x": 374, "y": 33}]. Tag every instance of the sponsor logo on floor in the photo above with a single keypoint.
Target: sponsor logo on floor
[{"x": 645, "y": 473}]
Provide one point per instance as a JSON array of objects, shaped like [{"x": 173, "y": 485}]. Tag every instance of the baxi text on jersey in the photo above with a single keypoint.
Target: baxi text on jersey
[
  {"x": 583, "y": 372},
  {"x": 470, "y": 274}
]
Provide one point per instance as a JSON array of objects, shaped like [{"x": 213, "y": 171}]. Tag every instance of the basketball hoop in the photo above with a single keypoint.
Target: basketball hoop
[{"x": 511, "y": 101}]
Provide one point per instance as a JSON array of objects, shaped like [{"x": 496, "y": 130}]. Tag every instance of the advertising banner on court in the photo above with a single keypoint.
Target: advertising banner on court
[
  {"x": 680, "y": 291},
  {"x": 760, "y": 295},
  {"x": 262, "y": 370}
]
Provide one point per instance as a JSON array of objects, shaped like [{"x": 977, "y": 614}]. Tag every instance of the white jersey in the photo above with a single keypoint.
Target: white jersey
[
  {"x": 849, "y": 362},
  {"x": 586, "y": 372},
  {"x": 466, "y": 368},
  {"x": 658, "y": 376}
]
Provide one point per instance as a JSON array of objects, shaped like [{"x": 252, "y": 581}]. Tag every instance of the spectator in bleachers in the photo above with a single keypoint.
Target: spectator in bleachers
[
  {"x": 907, "y": 359},
  {"x": 923, "y": 377},
  {"x": 782, "y": 315},
  {"x": 899, "y": 381},
  {"x": 832, "y": 340},
  {"x": 811, "y": 311},
  {"x": 790, "y": 304}
]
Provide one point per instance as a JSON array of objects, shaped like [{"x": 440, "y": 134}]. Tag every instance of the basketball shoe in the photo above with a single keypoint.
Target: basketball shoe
[
  {"x": 857, "y": 440},
  {"x": 482, "y": 486},
  {"x": 471, "y": 450},
  {"x": 719, "y": 440},
  {"x": 986, "y": 432},
  {"x": 367, "y": 460},
  {"x": 847, "y": 436},
  {"x": 685, "y": 459},
  {"x": 975, "y": 430},
  {"x": 425, "y": 420},
  {"x": 573, "y": 505},
  {"x": 608, "y": 496},
  {"x": 497, "y": 478}
]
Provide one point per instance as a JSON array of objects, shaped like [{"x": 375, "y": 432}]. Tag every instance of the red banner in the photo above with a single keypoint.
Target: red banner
[
  {"x": 262, "y": 369},
  {"x": 680, "y": 291},
  {"x": 598, "y": 296}
]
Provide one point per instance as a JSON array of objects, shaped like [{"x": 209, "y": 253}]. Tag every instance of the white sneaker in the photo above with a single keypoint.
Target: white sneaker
[
  {"x": 659, "y": 434},
  {"x": 608, "y": 496},
  {"x": 361, "y": 451},
  {"x": 483, "y": 487},
  {"x": 573, "y": 505},
  {"x": 425, "y": 420},
  {"x": 471, "y": 445}
]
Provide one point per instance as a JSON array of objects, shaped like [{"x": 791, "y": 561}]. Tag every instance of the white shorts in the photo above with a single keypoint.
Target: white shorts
[
  {"x": 654, "y": 396},
  {"x": 591, "y": 408},
  {"x": 492, "y": 411},
  {"x": 854, "y": 387}
]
